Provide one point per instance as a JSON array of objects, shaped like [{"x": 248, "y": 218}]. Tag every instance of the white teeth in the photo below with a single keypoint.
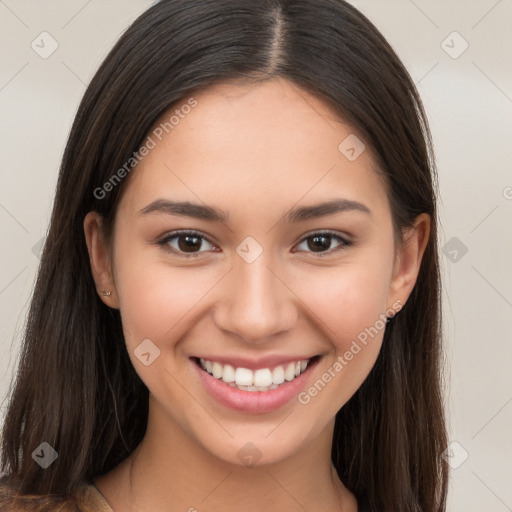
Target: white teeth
[
  {"x": 289, "y": 373},
  {"x": 262, "y": 379},
  {"x": 228, "y": 375},
  {"x": 243, "y": 377},
  {"x": 278, "y": 375},
  {"x": 217, "y": 370}
]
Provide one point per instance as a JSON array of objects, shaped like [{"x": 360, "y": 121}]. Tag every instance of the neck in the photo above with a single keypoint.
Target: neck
[{"x": 170, "y": 471}]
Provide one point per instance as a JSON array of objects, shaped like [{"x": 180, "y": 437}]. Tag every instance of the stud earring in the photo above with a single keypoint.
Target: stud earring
[
  {"x": 105, "y": 293},
  {"x": 399, "y": 306}
]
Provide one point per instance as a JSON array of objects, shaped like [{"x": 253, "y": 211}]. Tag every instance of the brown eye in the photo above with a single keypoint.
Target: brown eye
[
  {"x": 188, "y": 244},
  {"x": 320, "y": 243}
]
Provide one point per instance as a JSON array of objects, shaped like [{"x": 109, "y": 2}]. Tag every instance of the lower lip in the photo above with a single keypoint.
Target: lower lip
[{"x": 253, "y": 401}]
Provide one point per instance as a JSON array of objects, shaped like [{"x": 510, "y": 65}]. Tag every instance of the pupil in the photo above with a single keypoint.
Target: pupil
[
  {"x": 322, "y": 241},
  {"x": 192, "y": 242}
]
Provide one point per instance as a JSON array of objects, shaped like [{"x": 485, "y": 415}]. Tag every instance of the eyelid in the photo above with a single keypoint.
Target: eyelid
[
  {"x": 342, "y": 239},
  {"x": 164, "y": 241},
  {"x": 344, "y": 236}
]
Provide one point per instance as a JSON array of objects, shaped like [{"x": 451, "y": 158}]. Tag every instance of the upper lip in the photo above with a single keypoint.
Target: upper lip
[{"x": 255, "y": 363}]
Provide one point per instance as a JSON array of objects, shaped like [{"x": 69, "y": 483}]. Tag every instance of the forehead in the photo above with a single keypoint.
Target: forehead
[{"x": 257, "y": 146}]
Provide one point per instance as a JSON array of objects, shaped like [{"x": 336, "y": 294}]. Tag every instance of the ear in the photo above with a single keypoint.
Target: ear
[
  {"x": 408, "y": 260},
  {"x": 99, "y": 258}
]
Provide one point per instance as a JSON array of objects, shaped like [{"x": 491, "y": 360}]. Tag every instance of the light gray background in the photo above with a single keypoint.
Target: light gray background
[{"x": 469, "y": 104}]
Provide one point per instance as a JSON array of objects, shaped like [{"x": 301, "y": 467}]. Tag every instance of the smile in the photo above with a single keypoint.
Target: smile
[
  {"x": 264, "y": 387},
  {"x": 262, "y": 379}
]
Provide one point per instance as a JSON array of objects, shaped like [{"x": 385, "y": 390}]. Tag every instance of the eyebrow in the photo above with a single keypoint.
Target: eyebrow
[
  {"x": 203, "y": 212},
  {"x": 185, "y": 208},
  {"x": 323, "y": 209}
]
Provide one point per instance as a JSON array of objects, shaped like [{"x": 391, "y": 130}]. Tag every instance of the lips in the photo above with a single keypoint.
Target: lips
[{"x": 257, "y": 389}]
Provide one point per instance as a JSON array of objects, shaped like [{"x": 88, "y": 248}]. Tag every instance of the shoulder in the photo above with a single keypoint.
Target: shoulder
[
  {"x": 90, "y": 499},
  {"x": 84, "y": 498}
]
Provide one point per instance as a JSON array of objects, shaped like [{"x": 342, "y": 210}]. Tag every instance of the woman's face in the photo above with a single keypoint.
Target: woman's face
[{"x": 268, "y": 281}]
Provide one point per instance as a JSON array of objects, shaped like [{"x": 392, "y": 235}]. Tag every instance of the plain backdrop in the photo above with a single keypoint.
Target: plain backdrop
[{"x": 459, "y": 54}]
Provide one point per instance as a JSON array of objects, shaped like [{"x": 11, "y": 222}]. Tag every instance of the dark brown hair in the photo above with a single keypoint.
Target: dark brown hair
[{"x": 76, "y": 388}]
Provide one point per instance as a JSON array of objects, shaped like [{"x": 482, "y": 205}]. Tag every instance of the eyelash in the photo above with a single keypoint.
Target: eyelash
[{"x": 164, "y": 243}]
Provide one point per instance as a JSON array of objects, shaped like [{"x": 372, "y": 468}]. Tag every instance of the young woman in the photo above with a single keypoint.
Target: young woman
[{"x": 238, "y": 304}]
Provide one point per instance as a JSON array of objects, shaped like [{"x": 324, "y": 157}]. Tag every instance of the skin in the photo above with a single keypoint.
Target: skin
[{"x": 254, "y": 152}]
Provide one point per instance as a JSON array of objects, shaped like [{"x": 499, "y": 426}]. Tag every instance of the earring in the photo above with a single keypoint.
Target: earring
[
  {"x": 105, "y": 293},
  {"x": 399, "y": 306}
]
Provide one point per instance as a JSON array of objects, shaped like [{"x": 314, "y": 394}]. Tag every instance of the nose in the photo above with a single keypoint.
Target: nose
[{"x": 256, "y": 303}]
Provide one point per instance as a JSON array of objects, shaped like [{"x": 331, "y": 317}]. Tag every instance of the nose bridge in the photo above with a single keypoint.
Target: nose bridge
[{"x": 255, "y": 304}]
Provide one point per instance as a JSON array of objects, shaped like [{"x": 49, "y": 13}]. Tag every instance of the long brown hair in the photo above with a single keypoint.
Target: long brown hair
[{"x": 76, "y": 388}]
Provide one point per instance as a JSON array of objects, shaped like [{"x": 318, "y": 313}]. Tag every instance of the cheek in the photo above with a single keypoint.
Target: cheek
[
  {"x": 347, "y": 299},
  {"x": 157, "y": 302},
  {"x": 351, "y": 306},
  {"x": 155, "y": 298},
  {"x": 349, "y": 302}
]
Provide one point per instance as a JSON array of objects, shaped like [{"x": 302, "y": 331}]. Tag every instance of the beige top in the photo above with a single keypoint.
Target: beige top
[
  {"x": 90, "y": 499},
  {"x": 85, "y": 498}
]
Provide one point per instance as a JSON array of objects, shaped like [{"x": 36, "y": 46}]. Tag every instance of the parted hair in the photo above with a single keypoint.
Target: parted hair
[{"x": 75, "y": 387}]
